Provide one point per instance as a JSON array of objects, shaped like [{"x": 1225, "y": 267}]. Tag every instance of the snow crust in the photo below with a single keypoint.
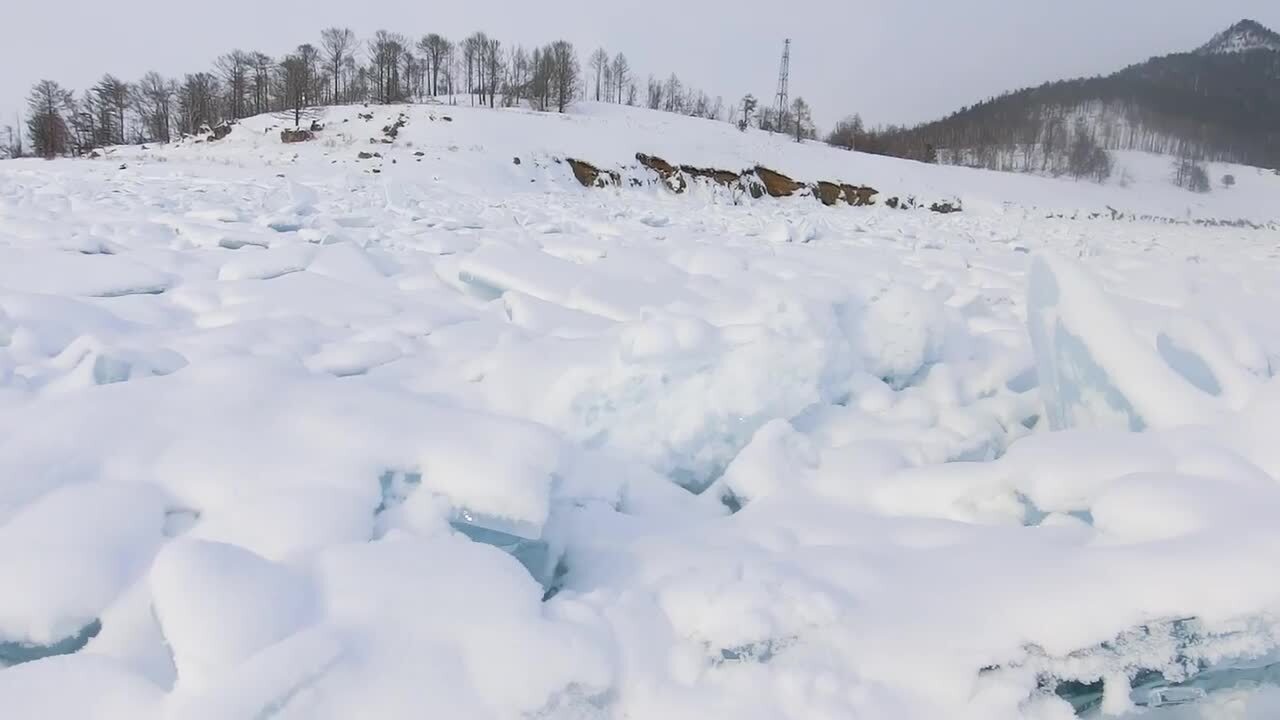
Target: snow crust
[{"x": 282, "y": 437}]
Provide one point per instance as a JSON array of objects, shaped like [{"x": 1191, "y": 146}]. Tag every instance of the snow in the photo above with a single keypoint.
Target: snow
[{"x": 284, "y": 437}]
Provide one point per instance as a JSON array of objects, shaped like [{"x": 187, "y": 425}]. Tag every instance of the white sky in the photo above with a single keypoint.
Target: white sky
[{"x": 897, "y": 61}]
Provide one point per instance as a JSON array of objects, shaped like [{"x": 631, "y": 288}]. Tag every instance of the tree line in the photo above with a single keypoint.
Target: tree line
[
  {"x": 340, "y": 69},
  {"x": 1195, "y": 107}
]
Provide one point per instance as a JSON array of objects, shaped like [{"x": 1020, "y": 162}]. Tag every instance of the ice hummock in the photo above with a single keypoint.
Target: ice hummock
[
  {"x": 1093, "y": 368},
  {"x": 520, "y": 539}
]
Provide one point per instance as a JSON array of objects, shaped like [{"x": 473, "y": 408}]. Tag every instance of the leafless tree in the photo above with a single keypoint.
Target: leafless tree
[
  {"x": 338, "y": 45},
  {"x": 47, "y": 106},
  {"x": 155, "y": 105},
  {"x": 112, "y": 102},
  {"x": 435, "y": 49},
  {"x": 235, "y": 68},
  {"x": 802, "y": 119},
  {"x": 621, "y": 74},
  {"x": 565, "y": 73},
  {"x": 599, "y": 62}
]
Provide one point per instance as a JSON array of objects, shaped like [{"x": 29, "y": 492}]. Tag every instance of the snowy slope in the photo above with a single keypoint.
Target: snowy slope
[{"x": 284, "y": 437}]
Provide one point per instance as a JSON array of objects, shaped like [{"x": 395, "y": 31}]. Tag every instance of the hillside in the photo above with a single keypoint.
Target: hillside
[
  {"x": 473, "y": 151},
  {"x": 404, "y": 421},
  {"x": 1217, "y": 103}
]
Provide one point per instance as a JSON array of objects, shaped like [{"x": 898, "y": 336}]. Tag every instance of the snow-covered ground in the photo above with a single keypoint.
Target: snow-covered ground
[{"x": 284, "y": 437}]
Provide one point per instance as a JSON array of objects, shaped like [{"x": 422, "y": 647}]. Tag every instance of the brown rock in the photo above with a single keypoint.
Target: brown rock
[
  {"x": 665, "y": 170},
  {"x": 828, "y": 192},
  {"x": 775, "y": 183},
  {"x": 297, "y": 135},
  {"x": 585, "y": 172},
  {"x": 859, "y": 195},
  {"x": 720, "y": 177}
]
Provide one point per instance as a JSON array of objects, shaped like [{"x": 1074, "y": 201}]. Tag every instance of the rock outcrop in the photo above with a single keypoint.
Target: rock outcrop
[
  {"x": 591, "y": 176},
  {"x": 296, "y": 135},
  {"x": 777, "y": 184}
]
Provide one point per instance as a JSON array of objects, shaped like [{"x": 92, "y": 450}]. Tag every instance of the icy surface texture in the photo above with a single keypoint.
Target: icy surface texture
[{"x": 285, "y": 438}]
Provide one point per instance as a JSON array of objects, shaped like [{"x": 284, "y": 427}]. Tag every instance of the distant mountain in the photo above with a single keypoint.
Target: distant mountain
[
  {"x": 1244, "y": 36},
  {"x": 1220, "y": 102}
]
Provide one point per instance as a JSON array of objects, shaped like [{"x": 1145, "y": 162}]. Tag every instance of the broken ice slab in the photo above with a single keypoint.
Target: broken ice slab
[
  {"x": 1227, "y": 675},
  {"x": 522, "y": 541},
  {"x": 1166, "y": 696},
  {"x": 16, "y": 653},
  {"x": 1095, "y": 370}
]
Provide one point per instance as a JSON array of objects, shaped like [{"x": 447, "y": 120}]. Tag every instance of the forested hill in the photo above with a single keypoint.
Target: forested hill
[{"x": 1220, "y": 102}]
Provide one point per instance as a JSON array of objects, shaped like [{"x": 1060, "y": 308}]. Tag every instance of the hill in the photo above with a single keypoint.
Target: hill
[
  {"x": 1218, "y": 103},
  {"x": 474, "y": 149}
]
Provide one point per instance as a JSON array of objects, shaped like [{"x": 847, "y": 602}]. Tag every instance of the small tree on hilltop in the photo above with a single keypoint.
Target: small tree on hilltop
[
  {"x": 48, "y": 104},
  {"x": 749, "y": 104},
  {"x": 1228, "y": 181},
  {"x": 802, "y": 119}
]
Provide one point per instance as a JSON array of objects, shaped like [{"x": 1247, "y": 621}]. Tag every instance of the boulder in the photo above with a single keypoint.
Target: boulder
[
  {"x": 590, "y": 176},
  {"x": 777, "y": 184},
  {"x": 667, "y": 172},
  {"x": 859, "y": 195},
  {"x": 296, "y": 135},
  {"x": 946, "y": 208},
  {"x": 828, "y": 192},
  {"x": 220, "y": 131}
]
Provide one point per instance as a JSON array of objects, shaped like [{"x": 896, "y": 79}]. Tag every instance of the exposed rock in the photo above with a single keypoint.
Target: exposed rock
[
  {"x": 419, "y": 154},
  {"x": 296, "y": 135},
  {"x": 892, "y": 202},
  {"x": 368, "y": 155},
  {"x": 720, "y": 177},
  {"x": 777, "y": 184},
  {"x": 95, "y": 155},
  {"x": 365, "y": 116},
  {"x": 316, "y": 126},
  {"x": 828, "y": 192},
  {"x": 446, "y": 118},
  {"x": 946, "y": 208},
  {"x": 859, "y": 195},
  {"x": 665, "y": 170},
  {"x": 220, "y": 131},
  {"x": 515, "y": 160},
  {"x": 590, "y": 175}
]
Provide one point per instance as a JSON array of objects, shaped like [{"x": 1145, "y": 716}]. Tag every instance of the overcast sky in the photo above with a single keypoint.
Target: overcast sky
[{"x": 900, "y": 61}]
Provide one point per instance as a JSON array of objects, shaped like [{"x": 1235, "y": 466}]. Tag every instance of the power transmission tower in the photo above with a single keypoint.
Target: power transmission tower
[{"x": 784, "y": 76}]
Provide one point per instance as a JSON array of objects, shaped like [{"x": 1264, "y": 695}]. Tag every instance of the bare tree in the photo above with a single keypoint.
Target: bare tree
[
  {"x": 802, "y": 119},
  {"x": 621, "y": 74},
  {"x": 338, "y": 45},
  {"x": 673, "y": 91},
  {"x": 565, "y": 73},
  {"x": 235, "y": 68},
  {"x": 47, "y": 106},
  {"x": 599, "y": 62},
  {"x": 112, "y": 102},
  {"x": 655, "y": 94},
  {"x": 155, "y": 105},
  {"x": 293, "y": 72},
  {"x": 749, "y": 105},
  {"x": 197, "y": 104},
  {"x": 493, "y": 67},
  {"x": 435, "y": 49}
]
